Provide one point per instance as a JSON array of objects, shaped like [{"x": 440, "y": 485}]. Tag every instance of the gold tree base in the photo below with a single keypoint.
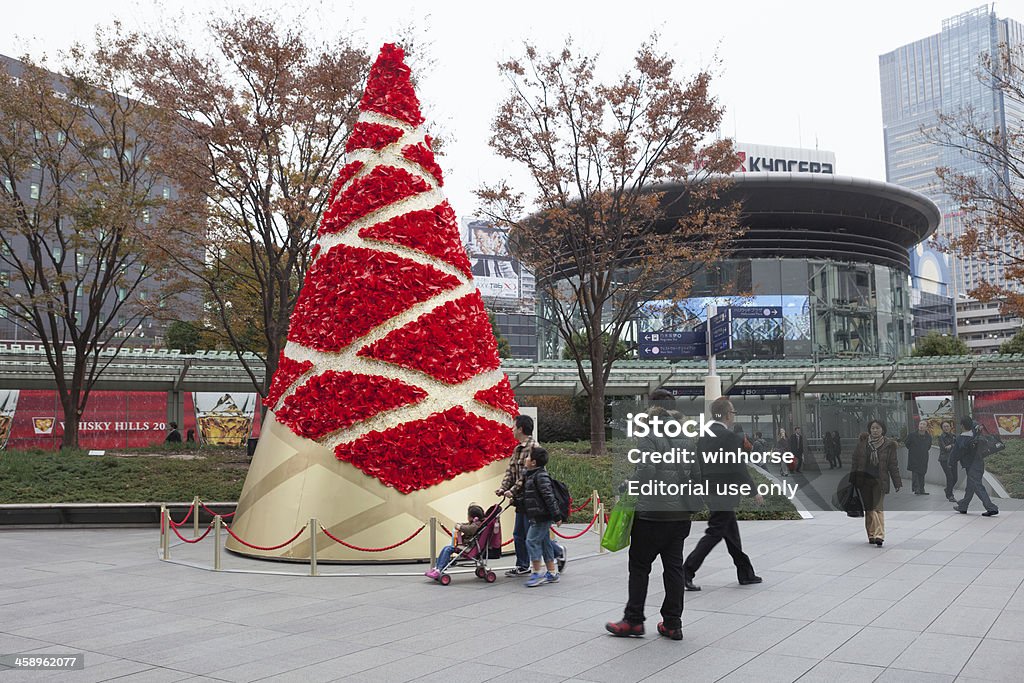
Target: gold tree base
[{"x": 293, "y": 479}]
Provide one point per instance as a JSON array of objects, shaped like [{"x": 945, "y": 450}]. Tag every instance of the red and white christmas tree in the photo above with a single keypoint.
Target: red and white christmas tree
[{"x": 391, "y": 364}]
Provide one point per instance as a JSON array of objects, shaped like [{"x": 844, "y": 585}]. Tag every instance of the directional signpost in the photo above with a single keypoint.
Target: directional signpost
[
  {"x": 673, "y": 345},
  {"x": 721, "y": 332}
]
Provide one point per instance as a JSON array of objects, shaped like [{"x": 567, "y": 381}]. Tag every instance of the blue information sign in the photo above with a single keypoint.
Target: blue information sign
[
  {"x": 721, "y": 332},
  {"x": 671, "y": 345}
]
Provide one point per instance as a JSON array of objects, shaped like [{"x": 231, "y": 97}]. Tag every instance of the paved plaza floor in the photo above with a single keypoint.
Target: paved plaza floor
[{"x": 942, "y": 601}]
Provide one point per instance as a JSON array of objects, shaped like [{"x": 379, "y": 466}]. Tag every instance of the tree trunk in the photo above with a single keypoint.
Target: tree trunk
[
  {"x": 69, "y": 404},
  {"x": 597, "y": 443}
]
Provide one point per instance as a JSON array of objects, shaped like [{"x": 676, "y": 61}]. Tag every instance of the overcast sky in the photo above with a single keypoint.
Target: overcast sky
[{"x": 794, "y": 74}]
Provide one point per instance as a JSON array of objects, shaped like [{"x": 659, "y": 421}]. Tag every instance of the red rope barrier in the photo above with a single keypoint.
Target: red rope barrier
[
  {"x": 271, "y": 547},
  {"x": 371, "y": 550},
  {"x": 230, "y": 514},
  {"x": 589, "y": 526},
  {"x": 585, "y": 504},
  {"x": 192, "y": 540},
  {"x": 445, "y": 529},
  {"x": 507, "y": 542},
  {"x": 182, "y": 522}
]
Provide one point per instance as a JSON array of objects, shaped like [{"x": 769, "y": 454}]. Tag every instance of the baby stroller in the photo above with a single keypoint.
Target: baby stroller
[{"x": 486, "y": 545}]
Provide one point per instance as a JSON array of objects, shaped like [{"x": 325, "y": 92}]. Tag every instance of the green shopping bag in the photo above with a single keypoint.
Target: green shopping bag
[{"x": 620, "y": 524}]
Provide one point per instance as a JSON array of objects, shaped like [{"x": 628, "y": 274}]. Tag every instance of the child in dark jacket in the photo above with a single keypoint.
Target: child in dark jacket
[
  {"x": 469, "y": 529},
  {"x": 541, "y": 511}
]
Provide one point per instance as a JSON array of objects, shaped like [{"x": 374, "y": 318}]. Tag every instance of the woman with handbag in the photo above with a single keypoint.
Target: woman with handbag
[
  {"x": 782, "y": 446},
  {"x": 874, "y": 465}
]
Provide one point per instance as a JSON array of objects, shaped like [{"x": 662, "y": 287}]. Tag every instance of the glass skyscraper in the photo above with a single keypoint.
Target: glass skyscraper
[{"x": 919, "y": 81}]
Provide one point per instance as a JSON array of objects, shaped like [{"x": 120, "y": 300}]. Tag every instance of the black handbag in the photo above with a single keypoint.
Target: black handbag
[
  {"x": 988, "y": 444},
  {"x": 848, "y": 498}
]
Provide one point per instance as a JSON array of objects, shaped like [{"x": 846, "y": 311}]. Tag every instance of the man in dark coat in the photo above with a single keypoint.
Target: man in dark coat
[
  {"x": 796, "y": 445},
  {"x": 965, "y": 452},
  {"x": 946, "y": 441},
  {"x": 660, "y": 525},
  {"x": 722, "y": 524},
  {"x": 919, "y": 445}
]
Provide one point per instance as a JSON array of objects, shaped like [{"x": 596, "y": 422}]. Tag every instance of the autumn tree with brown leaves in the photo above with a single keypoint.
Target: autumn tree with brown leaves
[
  {"x": 261, "y": 121},
  {"x": 625, "y": 206},
  {"x": 80, "y": 203},
  {"x": 991, "y": 202}
]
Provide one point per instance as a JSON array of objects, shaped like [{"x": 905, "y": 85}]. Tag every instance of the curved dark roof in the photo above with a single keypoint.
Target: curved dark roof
[{"x": 813, "y": 215}]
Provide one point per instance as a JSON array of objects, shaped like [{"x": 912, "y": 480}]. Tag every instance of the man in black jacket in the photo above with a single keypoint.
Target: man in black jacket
[
  {"x": 919, "y": 445},
  {"x": 722, "y": 524},
  {"x": 660, "y": 525},
  {"x": 946, "y": 441},
  {"x": 965, "y": 451},
  {"x": 796, "y": 445}
]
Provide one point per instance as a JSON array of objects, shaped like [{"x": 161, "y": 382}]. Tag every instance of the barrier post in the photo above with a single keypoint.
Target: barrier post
[
  {"x": 165, "y": 532},
  {"x": 217, "y": 523},
  {"x": 314, "y": 527},
  {"x": 195, "y": 516},
  {"x": 597, "y": 500},
  {"x": 433, "y": 540},
  {"x": 600, "y": 527}
]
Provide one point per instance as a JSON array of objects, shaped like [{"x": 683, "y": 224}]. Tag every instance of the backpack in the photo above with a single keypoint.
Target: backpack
[{"x": 561, "y": 492}]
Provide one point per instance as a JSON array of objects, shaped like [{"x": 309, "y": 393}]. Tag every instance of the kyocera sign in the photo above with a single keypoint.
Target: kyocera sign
[{"x": 762, "y": 158}]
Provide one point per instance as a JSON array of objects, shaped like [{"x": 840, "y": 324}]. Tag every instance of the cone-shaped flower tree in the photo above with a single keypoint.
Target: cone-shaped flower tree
[{"x": 388, "y": 406}]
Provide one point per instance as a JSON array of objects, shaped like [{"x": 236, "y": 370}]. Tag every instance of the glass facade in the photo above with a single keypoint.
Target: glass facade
[
  {"x": 939, "y": 75},
  {"x": 830, "y": 309}
]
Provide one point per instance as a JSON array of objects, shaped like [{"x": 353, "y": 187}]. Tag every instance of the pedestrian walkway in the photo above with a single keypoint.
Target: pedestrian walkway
[{"x": 942, "y": 601}]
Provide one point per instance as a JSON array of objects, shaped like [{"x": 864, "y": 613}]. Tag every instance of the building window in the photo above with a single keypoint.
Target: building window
[
  {"x": 142, "y": 296},
  {"x": 3, "y": 311},
  {"x": 5, "y": 278},
  {"x": 145, "y": 216},
  {"x": 122, "y": 293},
  {"x": 33, "y": 191},
  {"x": 7, "y": 185},
  {"x": 80, "y": 291},
  {"x": 167, "y": 193},
  {"x": 78, "y": 317},
  {"x": 79, "y": 259},
  {"x": 107, "y": 152}
]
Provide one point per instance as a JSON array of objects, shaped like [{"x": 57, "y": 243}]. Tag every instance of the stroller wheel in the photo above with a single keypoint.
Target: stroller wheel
[
  {"x": 481, "y": 572},
  {"x": 445, "y": 579},
  {"x": 490, "y": 577}
]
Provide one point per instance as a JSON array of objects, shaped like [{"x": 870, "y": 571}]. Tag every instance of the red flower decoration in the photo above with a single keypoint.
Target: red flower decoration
[
  {"x": 417, "y": 455},
  {"x": 335, "y": 400},
  {"x": 424, "y": 156},
  {"x": 500, "y": 396},
  {"x": 434, "y": 232},
  {"x": 372, "y": 135},
  {"x": 389, "y": 88},
  {"x": 313, "y": 252},
  {"x": 382, "y": 186},
  {"x": 346, "y": 174},
  {"x": 350, "y": 290},
  {"x": 288, "y": 371},
  {"x": 451, "y": 343}
]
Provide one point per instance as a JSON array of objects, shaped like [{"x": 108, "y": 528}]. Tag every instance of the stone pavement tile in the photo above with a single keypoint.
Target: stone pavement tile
[
  {"x": 465, "y": 672},
  {"x": 965, "y": 621},
  {"x": 956, "y": 574},
  {"x": 706, "y": 664},
  {"x": 818, "y": 639},
  {"x": 889, "y": 589},
  {"x": 937, "y": 653},
  {"x": 934, "y": 557},
  {"x": 401, "y": 670},
  {"x": 913, "y": 572},
  {"x": 859, "y": 611},
  {"x": 1009, "y": 579},
  {"x": 517, "y": 676},
  {"x": 761, "y": 634},
  {"x": 156, "y": 675},
  {"x": 762, "y": 603},
  {"x": 640, "y": 662},
  {"x": 996, "y": 660},
  {"x": 297, "y": 657},
  {"x": 339, "y": 667},
  {"x": 768, "y": 667},
  {"x": 904, "y": 676},
  {"x": 843, "y": 586},
  {"x": 874, "y": 646},
  {"x": 586, "y": 655},
  {"x": 715, "y": 626},
  {"x": 875, "y": 569},
  {"x": 985, "y": 596},
  {"x": 598, "y": 611},
  {"x": 1008, "y": 626},
  {"x": 910, "y": 614},
  {"x": 1016, "y": 601},
  {"x": 971, "y": 560},
  {"x": 808, "y": 607},
  {"x": 841, "y": 672},
  {"x": 893, "y": 552},
  {"x": 540, "y": 645}
]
